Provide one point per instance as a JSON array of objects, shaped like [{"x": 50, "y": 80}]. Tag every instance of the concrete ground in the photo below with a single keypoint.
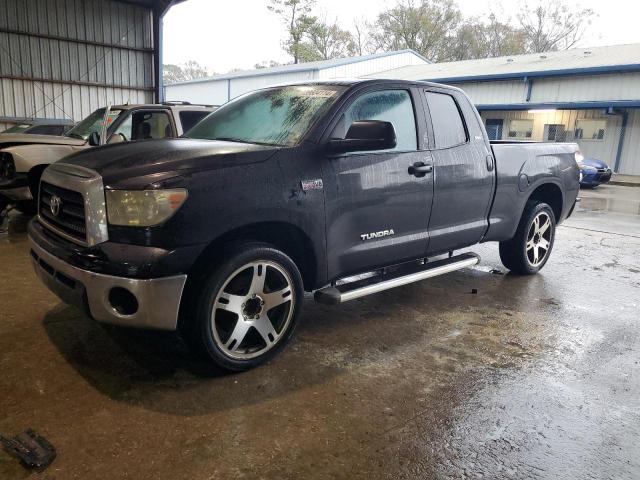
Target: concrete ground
[{"x": 531, "y": 377}]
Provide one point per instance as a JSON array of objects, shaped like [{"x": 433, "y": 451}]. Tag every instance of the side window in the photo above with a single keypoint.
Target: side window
[
  {"x": 189, "y": 118},
  {"x": 144, "y": 125},
  {"x": 392, "y": 106},
  {"x": 448, "y": 127}
]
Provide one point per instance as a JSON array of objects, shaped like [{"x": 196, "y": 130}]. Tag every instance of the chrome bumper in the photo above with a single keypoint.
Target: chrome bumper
[{"x": 158, "y": 299}]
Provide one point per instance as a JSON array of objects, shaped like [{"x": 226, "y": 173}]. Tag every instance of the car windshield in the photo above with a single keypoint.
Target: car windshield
[
  {"x": 276, "y": 116},
  {"x": 93, "y": 123}
]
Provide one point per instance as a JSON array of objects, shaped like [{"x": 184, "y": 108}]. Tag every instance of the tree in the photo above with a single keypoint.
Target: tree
[
  {"x": 327, "y": 40},
  {"x": 361, "y": 36},
  {"x": 480, "y": 38},
  {"x": 427, "y": 26},
  {"x": 189, "y": 70},
  {"x": 553, "y": 25},
  {"x": 266, "y": 64},
  {"x": 295, "y": 14}
]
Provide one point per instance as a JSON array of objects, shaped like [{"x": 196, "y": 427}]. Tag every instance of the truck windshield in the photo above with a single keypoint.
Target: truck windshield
[
  {"x": 93, "y": 123},
  {"x": 276, "y": 116}
]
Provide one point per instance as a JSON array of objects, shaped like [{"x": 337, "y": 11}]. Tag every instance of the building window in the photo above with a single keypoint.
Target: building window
[
  {"x": 555, "y": 132},
  {"x": 590, "y": 129},
  {"x": 522, "y": 129}
]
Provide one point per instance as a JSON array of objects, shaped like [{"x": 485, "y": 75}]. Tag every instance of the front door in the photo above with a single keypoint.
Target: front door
[{"x": 377, "y": 212}]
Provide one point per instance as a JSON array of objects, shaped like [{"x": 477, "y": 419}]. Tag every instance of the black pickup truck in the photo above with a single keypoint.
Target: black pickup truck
[{"x": 342, "y": 188}]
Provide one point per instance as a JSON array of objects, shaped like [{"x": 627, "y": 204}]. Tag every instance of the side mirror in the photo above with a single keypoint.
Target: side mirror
[
  {"x": 94, "y": 139},
  {"x": 365, "y": 136}
]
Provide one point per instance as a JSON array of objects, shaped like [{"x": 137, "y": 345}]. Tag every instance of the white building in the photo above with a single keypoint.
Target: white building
[
  {"x": 587, "y": 95},
  {"x": 219, "y": 89}
]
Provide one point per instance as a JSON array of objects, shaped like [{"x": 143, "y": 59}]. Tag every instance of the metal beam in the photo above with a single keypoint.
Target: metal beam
[
  {"x": 74, "y": 40},
  {"x": 561, "y": 105},
  {"x": 77, "y": 82}
]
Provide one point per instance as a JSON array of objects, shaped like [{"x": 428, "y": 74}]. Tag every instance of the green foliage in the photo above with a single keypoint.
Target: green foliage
[
  {"x": 295, "y": 14},
  {"x": 189, "y": 70},
  {"x": 552, "y": 25},
  {"x": 436, "y": 29}
]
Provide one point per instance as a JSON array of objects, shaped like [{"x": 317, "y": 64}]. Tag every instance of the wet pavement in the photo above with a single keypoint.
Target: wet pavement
[{"x": 531, "y": 377}]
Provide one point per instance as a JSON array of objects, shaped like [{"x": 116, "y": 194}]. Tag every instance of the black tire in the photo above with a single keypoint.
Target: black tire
[
  {"x": 519, "y": 253},
  {"x": 206, "y": 331}
]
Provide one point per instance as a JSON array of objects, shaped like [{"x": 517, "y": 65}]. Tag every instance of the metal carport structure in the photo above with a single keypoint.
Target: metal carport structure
[{"x": 62, "y": 59}]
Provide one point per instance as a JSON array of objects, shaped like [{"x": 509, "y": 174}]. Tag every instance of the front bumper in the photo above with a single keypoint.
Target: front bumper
[{"x": 157, "y": 300}]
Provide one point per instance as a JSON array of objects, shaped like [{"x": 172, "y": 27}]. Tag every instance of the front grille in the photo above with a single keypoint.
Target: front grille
[{"x": 70, "y": 218}]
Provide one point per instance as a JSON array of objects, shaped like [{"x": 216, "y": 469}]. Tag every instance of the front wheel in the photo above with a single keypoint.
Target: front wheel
[
  {"x": 248, "y": 307},
  {"x": 528, "y": 251}
]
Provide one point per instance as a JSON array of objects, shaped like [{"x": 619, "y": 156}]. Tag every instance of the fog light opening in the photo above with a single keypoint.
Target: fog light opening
[{"x": 123, "y": 301}]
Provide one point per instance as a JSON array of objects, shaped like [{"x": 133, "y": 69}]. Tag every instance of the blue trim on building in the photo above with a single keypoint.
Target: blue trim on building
[
  {"x": 623, "y": 132},
  {"x": 568, "y": 72},
  {"x": 562, "y": 105},
  {"x": 529, "y": 83}
]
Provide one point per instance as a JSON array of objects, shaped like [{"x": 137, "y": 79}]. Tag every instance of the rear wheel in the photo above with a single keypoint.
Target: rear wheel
[
  {"x": 528, "y": 251},
  {"x": 248, "y": 307}
]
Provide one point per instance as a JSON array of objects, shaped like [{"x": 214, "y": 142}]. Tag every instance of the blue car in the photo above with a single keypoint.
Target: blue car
[{"x": 594, "y": 172}]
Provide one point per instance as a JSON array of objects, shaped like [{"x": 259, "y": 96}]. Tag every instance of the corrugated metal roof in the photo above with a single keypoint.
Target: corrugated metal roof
[
  {"x": 578, "y": 60},
  {"x": 301, "y": 67}
]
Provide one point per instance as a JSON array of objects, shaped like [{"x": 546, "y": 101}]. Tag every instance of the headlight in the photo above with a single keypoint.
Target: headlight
[{"x": 143, "y": 208}]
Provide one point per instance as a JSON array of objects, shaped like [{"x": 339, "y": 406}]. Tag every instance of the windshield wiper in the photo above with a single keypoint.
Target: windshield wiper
[{"x": 228, "y": 139}]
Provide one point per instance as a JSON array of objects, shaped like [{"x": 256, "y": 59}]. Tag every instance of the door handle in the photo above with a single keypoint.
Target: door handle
[
  {"x": 420, "y": 169},
  {"x": 490, "y": 163}
]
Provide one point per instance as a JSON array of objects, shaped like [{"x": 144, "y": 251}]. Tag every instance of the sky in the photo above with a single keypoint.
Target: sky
[{"x": 224, "y": 35}]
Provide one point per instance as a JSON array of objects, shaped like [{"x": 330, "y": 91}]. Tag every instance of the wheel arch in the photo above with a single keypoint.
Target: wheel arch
[
  {"x": 551, "y": 194},
  {"x": 284, "y": 236},
  {"x": 33, "y": 178}
]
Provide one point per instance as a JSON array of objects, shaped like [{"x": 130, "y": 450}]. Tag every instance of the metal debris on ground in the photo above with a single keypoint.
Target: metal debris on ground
[{"x": 33, "y": 450}]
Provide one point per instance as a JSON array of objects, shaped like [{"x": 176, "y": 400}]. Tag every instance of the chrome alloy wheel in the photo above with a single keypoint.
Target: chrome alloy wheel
[
  {"x": 253, "y": 310},
  {"x": 539, "y": 239}
]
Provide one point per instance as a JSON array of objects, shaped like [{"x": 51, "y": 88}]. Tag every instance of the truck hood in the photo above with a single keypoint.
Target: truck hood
[
  {"x": 138, "y": 164},
  {"x": 7, "y": 139}
]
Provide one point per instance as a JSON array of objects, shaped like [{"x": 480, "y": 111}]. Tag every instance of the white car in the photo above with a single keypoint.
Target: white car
[{"x": 23, "y": 157}]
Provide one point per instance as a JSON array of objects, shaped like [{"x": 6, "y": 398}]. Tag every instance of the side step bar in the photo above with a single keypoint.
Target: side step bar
[{"x": 401, "y": 275}]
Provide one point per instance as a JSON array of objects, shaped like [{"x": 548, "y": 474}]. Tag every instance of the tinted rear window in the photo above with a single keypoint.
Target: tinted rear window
[{"x": 189, "y": 118}]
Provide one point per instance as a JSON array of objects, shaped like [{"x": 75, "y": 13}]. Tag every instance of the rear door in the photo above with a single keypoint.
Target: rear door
[
  {"x": 378, "y": 212},
  {"x": 463, "y": 172}
]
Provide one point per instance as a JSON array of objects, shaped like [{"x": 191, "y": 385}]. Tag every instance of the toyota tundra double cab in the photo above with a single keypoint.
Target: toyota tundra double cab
[{"x": 339, "y": 188}]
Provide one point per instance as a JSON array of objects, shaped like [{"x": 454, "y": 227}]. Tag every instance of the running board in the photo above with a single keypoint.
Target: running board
[{"x": 401, "y": 275}]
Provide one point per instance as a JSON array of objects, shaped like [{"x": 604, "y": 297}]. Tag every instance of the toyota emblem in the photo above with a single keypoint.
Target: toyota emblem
[{"x": 55, "y": 203}]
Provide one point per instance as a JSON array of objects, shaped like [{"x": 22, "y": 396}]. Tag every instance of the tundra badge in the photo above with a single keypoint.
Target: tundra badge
[
  {"x": 380, "y": 234},
  {"x": 312, "y": 184}
]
